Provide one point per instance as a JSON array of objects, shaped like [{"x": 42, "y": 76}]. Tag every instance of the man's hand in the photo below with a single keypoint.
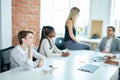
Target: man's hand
[{"x": 105, "y": 52}]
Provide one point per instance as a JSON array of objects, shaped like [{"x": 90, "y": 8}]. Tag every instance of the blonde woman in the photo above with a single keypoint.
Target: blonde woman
[{"x": 70, "y": 32}]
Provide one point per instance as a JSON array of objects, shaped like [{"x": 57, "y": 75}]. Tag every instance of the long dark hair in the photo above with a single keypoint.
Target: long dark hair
[{"x": 46, "y": 30}]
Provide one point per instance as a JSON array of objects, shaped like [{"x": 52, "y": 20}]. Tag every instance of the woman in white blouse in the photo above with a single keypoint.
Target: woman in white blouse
[
  {"x": 23, "y": 53},
  {"x": 47, "y": 47}
]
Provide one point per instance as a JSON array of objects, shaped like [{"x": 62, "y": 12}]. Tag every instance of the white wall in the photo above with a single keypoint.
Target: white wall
[
  {"x": 100, "y": 10},
  {"x": 0, "y": 27},
  {"x": 5, "y": 24}
]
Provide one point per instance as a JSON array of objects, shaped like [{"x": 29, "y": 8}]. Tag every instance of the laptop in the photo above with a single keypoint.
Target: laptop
[{"x": 89, "y": 68}]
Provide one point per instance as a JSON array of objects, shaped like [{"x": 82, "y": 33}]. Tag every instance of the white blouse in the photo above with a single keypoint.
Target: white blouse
[
  {"x": 19, "y": 57},
  {"x": 49, "y": 51}
]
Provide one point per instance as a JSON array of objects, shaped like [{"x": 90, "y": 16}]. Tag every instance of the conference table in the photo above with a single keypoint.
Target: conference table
[{"x": 66, "y": 68}]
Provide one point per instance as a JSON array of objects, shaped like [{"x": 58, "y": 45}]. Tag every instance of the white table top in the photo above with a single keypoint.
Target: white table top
[
  {"x": 67, "y": 69},
  {"x": 89, "y": 40}
]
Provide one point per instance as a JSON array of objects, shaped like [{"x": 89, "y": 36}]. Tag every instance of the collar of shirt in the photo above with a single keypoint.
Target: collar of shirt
[
  {"x": 21, "y": 50},
  {"x": 50, "y": 39},
  {"x": 109, "y": 38}
]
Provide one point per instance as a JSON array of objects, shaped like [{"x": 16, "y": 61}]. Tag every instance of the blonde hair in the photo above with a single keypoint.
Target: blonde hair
[{"x": 74, "y": 12}]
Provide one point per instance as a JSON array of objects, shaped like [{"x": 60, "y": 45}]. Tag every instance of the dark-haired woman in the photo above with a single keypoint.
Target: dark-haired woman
[{"x": 47, "y": 47}]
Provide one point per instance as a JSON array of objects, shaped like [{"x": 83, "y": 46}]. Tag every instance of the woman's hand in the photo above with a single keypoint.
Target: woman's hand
[
  {"x": 40, "y": 63},
  {"x": 78, "y": 41},
  {"x": 30, "y": 50},
  {"x": 65, "y": 54},
  {"x": 30, "y": 46}
]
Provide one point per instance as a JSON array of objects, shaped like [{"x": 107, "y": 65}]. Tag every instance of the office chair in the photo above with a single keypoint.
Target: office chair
[
  {"x": 0, "y": 59},
  {"x": 119, "y": 37},
  {"x": 59, "y": 42},
  {"x": 5, "y": 58}
]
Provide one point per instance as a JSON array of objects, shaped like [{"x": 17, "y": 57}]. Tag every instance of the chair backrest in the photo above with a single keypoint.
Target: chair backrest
[
  {"x": 5, "y": 56},
  {"x": 0, "y": 59},
  {"x": 59, "y": 42},
  {"x": 119, "y": 37}
]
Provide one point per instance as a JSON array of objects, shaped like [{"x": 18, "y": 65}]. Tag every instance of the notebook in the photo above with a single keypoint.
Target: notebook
[{"x": 89, "y": 68}]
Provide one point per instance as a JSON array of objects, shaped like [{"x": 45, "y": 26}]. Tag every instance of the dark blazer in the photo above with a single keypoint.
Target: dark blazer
[{"x": 115, "y": 45}]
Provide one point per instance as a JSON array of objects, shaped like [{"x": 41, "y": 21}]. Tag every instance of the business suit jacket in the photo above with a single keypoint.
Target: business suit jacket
[{"x": 115, "y": 45}]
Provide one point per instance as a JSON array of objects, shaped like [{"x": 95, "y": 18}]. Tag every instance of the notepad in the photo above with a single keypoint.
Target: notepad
[{"x": 89, "y": 68}]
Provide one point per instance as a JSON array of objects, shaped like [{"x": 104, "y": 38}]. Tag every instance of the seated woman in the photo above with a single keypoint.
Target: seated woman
[
  {"x": 23, "y": 53},
  {"x": 47, "y": 47},
  {"x": 70, "y": 32}
]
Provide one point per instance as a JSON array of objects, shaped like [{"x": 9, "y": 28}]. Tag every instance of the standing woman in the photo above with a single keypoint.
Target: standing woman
[{"x": 70, "y": 32}]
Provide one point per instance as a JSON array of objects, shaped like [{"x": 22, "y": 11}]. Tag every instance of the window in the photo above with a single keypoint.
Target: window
[
  {"x": 115, "y": 15},
  {"x": 55, "y": 13}
]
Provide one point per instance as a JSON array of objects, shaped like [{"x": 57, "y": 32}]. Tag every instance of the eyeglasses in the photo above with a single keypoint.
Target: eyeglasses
[{"x": 109, "y": 30}]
